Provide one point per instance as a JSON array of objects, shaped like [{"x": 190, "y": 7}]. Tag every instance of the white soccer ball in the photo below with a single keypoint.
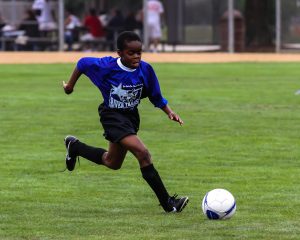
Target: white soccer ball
[{"x": 218, "y": 204}]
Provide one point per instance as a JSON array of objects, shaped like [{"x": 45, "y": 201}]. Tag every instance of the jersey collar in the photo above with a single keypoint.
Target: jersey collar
[{"x": 120, "y": 64}]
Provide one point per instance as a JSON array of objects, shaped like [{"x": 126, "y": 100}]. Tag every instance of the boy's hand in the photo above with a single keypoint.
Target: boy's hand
[
  {"x": 173, "y": 116},
  {"x": 67, "y": 88}
]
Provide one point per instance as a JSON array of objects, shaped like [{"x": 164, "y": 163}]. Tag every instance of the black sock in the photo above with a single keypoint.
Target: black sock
[
  {"x": 88, "y": 152},
  {"x": 153, "y": 179}
]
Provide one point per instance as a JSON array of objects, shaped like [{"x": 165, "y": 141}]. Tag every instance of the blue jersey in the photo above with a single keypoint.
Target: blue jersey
[{"x": 122, "y": 87}]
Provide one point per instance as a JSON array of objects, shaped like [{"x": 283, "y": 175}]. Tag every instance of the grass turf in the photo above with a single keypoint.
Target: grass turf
[{"x": 241, "y": 133}]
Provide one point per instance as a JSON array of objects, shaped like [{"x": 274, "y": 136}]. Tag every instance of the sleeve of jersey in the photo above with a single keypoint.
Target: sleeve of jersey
[
  {"x": 84, "y": 63},
  {"x": 153, "y": 89}
]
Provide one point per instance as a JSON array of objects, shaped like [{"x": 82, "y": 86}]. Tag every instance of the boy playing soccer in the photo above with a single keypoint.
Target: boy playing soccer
[{"x": 123, "y": 82}]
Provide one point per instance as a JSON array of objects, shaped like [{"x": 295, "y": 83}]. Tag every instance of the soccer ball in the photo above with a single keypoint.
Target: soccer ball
[{"x": 218, "y": 204}]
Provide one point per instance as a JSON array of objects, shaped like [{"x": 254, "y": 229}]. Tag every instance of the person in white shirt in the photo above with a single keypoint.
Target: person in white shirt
[
  {"x": 155, "y": 11},
  {"x": 72, "y": 23},
  {"x": 44, "y": 16}
]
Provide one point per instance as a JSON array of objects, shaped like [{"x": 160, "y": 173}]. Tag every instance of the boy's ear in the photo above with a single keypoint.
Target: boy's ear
[{"x": 119, "y": 53}]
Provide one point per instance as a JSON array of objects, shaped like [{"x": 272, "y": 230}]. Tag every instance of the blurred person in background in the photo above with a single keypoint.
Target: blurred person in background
[
  {"x": 140, "y": 22},
  {"x": 72, "y": 23},
  {"x": 155, "y": 11},
  {"x": 104, "y": 18},
  {"x": 94, "y": 29},
  {"x": 2, "y": 24},
  {"x": 44, "y": 16},
  {"x": 130, "y": 22},
  {"x": 30, "y": 27},
  {"x": 93, "y": 25},
  {"x": 114, "y": 27},
  {"x": 30, "y": 24}
]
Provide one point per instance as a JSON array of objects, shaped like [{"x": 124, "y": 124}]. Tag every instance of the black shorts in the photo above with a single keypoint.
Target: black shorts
[{"x": 118, "y": 123}]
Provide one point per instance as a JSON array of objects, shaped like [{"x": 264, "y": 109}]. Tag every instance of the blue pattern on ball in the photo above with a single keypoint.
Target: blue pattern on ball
[
  {"x": 230, "y": 210},
  {"x": 212, "y": 215}
]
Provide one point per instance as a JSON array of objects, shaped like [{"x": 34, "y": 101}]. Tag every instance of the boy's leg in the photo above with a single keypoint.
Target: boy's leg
[
  {"x": 139, "y": 150},
  {"x": 112, "y": 159},
  {"x": 115, "y": 156}
]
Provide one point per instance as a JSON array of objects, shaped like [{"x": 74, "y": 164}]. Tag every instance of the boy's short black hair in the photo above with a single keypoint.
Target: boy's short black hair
[{"x": 127, "y": 36}]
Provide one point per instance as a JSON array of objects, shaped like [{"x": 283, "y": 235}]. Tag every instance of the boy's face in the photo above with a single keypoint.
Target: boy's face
[{"x": 131, "y": 55}]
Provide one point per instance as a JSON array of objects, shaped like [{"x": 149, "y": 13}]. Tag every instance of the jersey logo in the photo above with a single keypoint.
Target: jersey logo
[{"x": 125, "y": 96}]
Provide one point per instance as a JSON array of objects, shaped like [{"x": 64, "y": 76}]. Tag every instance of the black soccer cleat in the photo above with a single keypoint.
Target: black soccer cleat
[
  {"x": 178, "y": 204},
  {"x": 70, "y": 156}
]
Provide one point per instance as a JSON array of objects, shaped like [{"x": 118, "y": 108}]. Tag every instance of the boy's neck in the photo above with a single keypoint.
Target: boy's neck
[{"x": 122, "y": 66}]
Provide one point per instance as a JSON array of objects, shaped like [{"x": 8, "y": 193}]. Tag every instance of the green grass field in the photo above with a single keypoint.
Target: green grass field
[{"x": 241, "y": 132}]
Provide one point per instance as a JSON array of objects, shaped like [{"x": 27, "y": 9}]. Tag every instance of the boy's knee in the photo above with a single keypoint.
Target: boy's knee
[
  {"x": 113, "y": 166},
  {"x": 144, "y": 156},
  {"x": 112, "y": 163}
]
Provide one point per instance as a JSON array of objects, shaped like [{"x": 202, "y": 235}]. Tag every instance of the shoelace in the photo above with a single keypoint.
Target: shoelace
[{"x": 173, "y": 198}]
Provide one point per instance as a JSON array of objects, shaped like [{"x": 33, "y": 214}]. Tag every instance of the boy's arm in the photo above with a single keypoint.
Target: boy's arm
[
  {"x": 69, "y": 86},
  {"x": 172, "y": 115}
]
